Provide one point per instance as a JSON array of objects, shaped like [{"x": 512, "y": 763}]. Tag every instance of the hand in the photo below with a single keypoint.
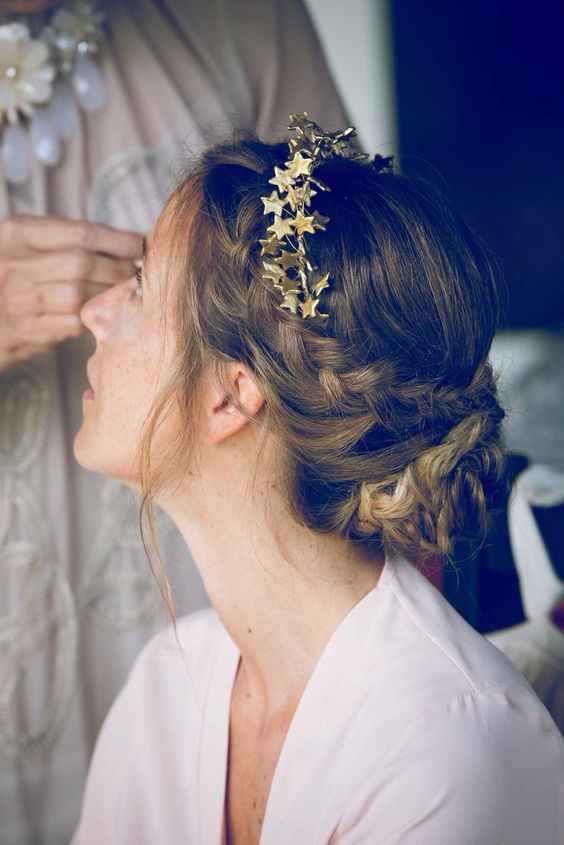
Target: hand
[{"x": 50, "y": 266}]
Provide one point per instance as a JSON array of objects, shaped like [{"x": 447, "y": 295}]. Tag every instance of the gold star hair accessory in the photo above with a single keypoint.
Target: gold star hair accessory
[{"x": 286, "y": 265}]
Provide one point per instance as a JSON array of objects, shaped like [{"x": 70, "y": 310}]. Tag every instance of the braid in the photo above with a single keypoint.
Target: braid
[{"x": 443, "y": 493}]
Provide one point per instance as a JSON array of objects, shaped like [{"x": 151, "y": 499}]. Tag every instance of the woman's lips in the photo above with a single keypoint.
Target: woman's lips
[
  {"x": 88, "y": 394},
  {"x": 89, "y": 375}
]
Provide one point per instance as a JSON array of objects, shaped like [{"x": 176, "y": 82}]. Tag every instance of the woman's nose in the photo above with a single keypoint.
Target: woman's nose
[{"x": 99, "y": 312}]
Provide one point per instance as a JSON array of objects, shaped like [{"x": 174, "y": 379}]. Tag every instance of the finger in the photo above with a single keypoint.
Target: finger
[
  {"x": 31, "y": 300},
  {"x": 63, "y": 298},
  {"x": 23, "y": 233},
  {"x": 76, "y": 265},
  {"x": 48, "y": 328},
  {"x": 21, "y": 353}
]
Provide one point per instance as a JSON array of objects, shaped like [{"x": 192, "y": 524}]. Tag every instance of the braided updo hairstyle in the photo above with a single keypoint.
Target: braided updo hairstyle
[{"x": 387, "y": 409}]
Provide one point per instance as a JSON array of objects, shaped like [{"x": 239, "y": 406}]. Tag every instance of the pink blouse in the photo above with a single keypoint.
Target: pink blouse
[{"x": 413, "y": 730}]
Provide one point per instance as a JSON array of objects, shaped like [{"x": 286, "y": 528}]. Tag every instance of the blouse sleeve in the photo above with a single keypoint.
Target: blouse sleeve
[{"x": 490, "y": 771}]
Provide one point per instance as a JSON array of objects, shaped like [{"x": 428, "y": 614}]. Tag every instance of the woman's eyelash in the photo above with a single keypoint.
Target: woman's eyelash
[{"x": 139, "y": 277}]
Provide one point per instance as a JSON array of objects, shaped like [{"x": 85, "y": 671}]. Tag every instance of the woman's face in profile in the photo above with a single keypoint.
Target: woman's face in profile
[{"x": 125, "y": 370}]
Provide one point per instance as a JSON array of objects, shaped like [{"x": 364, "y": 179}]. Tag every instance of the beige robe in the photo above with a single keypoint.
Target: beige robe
[{"x": 77, "y": 601}]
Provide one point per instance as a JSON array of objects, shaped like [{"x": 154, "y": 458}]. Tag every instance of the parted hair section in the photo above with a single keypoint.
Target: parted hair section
[{"x": 387, "y": 409}]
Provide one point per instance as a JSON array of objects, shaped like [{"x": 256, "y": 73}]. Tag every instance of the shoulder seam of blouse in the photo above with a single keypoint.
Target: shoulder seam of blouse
[
  {"x": 399, "y": 598},
  {"x": 489, "y": 691}
]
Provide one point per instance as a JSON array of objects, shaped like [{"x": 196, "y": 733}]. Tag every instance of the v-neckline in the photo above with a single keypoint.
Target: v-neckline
[{"x": 319, "y": 695}]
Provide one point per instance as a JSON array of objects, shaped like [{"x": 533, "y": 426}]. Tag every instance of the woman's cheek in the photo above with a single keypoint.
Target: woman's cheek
[{"x": 128, "y": 321}]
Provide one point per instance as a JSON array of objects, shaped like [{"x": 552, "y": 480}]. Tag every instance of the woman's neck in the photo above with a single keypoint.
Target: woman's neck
[{"x": 279, "y": 589}]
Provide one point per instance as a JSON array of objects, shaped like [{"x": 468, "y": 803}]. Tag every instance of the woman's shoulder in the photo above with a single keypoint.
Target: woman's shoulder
[
  {"x": 171, "y": 671},
  {"x": 166, "y": 686},
  {"x": 448, "y": 739},
  {"x": 485, "y": 767},
  {"x": 158, "y": 709},
  {"x": 191, "y": 641},
  {"x": 428, "y": 655}
]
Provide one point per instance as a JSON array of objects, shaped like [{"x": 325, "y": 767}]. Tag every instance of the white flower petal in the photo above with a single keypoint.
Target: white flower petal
[
  {"x": 35, "y": 90},
  {"x": 13, "y": 32},
  {"x": 47, "y": 73},
  {"x": 33, "y": 54}
]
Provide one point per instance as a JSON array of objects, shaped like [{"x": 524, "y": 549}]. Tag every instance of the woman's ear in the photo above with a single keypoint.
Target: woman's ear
[{"x": 223, "y": 415}]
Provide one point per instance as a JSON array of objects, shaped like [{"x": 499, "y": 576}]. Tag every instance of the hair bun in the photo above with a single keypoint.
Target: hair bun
[{"x": 443, "y": 495}]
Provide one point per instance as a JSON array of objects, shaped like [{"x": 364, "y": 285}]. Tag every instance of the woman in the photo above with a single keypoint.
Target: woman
[
  {"x": 331, "y": 694},
  {"x": 81, "y": 602}
]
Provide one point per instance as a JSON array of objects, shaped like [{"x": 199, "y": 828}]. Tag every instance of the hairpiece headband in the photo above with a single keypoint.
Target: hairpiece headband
[{"x": 288, "y": 268}]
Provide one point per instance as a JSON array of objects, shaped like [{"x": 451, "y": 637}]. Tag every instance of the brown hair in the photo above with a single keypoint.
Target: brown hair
[{"x": 387, "y": 409}]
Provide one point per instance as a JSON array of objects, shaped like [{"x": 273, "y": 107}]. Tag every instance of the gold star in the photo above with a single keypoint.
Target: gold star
[
  {"x": 273, "y": 271},
  {"x": 309, "y": 308},
  {"x": 299, "y": 165},
  {"x": 289, "y": 259},
  {"x": 304, "y": 143},
  {"x": 302, "y": 224},
  {"x": 321, "y": 283},
  {"x": 290, "y": 302},
  {"x": 304, "y": 126},
  {"x": 281, "y": 226},
  {"x": 340, "y": 148},
  {"x": 287, "y": 285},
  {"x": 299, "y": 119},
  {"x": 293, "y": 197},
  {"x": 270, "y": 246},
  {"x": 274, "y": 203},
  {"x": 282, "y": 180},
  {"x": 299, "y": 195},
  {"x": 319, "y": 220}
]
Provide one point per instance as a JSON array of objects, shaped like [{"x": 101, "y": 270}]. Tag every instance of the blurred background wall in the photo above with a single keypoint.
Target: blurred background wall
[
  {"x": 358, "y": 45},
  {"x": 472, "y": 96}
]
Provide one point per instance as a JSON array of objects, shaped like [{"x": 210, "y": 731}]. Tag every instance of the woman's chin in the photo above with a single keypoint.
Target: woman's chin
[
  {"x": 84, "y": 452},
  {"x": 91, "y": 457},
  {"x": 89, "y": 452}
]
